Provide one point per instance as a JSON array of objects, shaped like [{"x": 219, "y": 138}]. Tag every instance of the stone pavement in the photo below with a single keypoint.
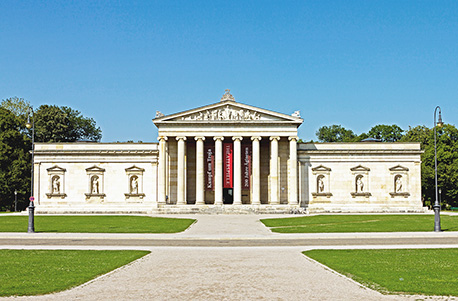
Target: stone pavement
[{"x": 222, "y": 273}]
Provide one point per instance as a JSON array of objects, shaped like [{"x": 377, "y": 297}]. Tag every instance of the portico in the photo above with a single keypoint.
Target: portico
[{"x": 228, "y": 154}]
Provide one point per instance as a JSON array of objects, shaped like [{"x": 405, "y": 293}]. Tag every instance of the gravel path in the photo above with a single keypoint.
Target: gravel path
[{"x": 223, "y": 273}]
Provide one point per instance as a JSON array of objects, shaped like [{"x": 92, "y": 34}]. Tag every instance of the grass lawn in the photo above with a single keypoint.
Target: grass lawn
[
  {"x": 419, "y": 271},
  {"x": 360, "y": 223},
  {"x": 96, "y": 224},
  {"x": 36, "y": 272}
]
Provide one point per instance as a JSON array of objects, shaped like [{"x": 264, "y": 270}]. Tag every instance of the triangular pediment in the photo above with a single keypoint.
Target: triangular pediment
[
  {"x": 95, "y": 169},
  {"x": 228, "y": 111},
  {"x": 135, "y": 168},
  {"x": 399, "y": 168},
  {"x": 360, "y": 168},
  {"x": 56, "y": 168},
  {"x": 321, "y": 168}
]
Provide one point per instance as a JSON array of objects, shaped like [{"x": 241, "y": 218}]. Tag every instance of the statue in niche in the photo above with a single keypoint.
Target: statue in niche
[
  {"x": 55, "y": 185},
  {"x": 134, "y": 185},
  {"x": 398, "y": 184},
  {"x": 95, "y": 185},
  {"x": 320, "y": 184},
  {"x": 359, "y": 184}
]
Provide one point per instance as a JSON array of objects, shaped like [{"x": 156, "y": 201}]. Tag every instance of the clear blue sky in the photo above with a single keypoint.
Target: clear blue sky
[{"x": 354, "y": 63}]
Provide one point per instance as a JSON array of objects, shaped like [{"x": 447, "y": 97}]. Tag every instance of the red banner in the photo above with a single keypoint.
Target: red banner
[
  {"x": 246, "y": 166},
  {"x": 209, "y": 166},
  {"x": 227, "y": 157}
]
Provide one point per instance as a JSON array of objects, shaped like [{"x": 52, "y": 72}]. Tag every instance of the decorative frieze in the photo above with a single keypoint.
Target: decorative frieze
[{"x": 226, "y": 113}]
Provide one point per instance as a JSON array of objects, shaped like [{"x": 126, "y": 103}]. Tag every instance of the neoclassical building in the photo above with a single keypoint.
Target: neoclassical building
[{"x": 227, "y": 157}]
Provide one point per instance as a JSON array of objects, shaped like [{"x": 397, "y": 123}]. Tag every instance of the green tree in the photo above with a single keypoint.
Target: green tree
[
  {"x": 386, "y": 133},
  {"x": 17, "y": 106},
  {"x": 335, "y": 133},
  {"x": 63, "y": 124},
  {"x": 447, "y": 162},
  {"x": 14, "y": 161},
  {"x": 52, "y": 124},
  {"x": 419, "y": 133}
]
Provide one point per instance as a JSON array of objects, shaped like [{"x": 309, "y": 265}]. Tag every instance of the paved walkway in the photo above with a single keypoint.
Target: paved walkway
[{"x": 221, "y": 273}]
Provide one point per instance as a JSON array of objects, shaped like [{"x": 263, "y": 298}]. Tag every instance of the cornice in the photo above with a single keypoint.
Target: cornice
[
  {"x": 96, "y": 152},
  {"x": 361, "y": 152},
  {"x": 226, "y": 122}
]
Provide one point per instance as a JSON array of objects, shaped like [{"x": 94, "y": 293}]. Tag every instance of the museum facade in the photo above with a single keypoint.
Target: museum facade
[{"x": 227, "y": 157}]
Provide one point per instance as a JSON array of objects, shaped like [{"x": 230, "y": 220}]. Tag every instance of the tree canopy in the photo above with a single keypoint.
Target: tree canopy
[
  {"x": 335, "y": 133},
  {"x": 17, "y": 106},
  {"x": 63, "y": 124},
  {"x": 386, "y": 133},
  {"x": 14, "y": 161},
  {"x": 447, "y": 162},
  {"x": 54, "y": 123}
]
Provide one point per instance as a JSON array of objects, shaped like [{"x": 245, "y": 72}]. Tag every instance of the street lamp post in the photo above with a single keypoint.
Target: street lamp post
[
  {"x": 440, "y": 196},
  {"x": 31, "y": 125},
  {"x": 437, "y": 206},
  {"x": 15, "y": 200}
]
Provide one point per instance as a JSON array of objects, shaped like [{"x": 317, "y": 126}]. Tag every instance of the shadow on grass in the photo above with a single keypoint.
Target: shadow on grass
[{"x": 450, "y": 229}]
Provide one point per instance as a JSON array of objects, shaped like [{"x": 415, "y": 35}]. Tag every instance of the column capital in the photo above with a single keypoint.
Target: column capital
[
  {"x": 274, "y": 138},
  {"x": 293, "y": 138},
  {"x": 181, "y": 138},
  {"x": 199, "y": 138},
  {"x": 237, "y": 138},
  {"x": 218, "y": 138},
  {"x": 162, "y": 138},
  {"x": 256, "y": 138}
]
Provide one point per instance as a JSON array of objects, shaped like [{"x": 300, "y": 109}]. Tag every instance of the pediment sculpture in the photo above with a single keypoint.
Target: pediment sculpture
[
  {"x": 226, "y": 113},
  {"x": 227, "y": 96}
]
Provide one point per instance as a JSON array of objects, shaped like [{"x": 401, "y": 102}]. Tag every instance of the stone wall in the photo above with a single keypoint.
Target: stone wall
[
  {"x": 95, "y": 177},
  {"x": 360, "y": 177},
  {"x": 99, "y": 177}
]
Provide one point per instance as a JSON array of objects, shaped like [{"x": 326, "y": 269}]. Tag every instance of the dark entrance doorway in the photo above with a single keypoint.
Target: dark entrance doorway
[{"x": 228, "y": 197}]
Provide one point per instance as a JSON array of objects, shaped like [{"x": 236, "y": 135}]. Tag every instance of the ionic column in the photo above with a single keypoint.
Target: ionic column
[
  {"x": 237, "y": 170},
  {"x": 181, "y": 186},
  {"x": 256, "y": 171},
  {"x": 218, "y": 170},
  {"x": 274, "y": 170},
  {"x": 200, "y": 170},
  {"x": 292, "y": 179},
  {"x": 162, "y": 177}
]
